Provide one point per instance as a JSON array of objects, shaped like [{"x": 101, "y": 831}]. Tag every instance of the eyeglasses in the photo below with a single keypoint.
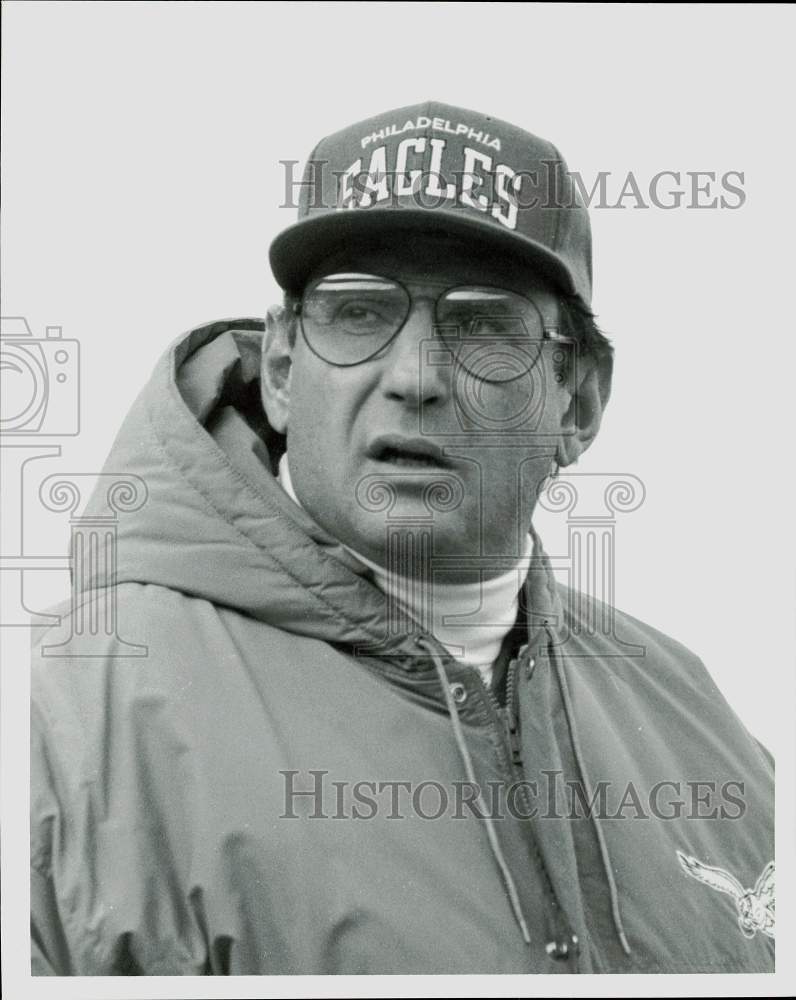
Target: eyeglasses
[{"x": 495, "y": 334}]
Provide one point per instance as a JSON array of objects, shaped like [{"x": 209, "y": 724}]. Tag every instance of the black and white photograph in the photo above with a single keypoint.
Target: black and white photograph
[{"x": 397, "y": 490}]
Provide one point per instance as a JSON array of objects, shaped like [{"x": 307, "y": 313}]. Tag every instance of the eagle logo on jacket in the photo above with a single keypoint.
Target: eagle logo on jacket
[{"x": 755, "y": 906}]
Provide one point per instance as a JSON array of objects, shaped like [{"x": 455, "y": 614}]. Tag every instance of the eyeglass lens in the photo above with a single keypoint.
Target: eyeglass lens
[{"x": 494, "y": 333}]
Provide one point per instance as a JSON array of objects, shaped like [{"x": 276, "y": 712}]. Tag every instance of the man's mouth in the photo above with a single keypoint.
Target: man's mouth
[{"x": 393, "y": 449}]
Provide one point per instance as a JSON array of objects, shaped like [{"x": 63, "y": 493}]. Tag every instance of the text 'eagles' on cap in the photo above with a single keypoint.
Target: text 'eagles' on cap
[{"x": 434, "y": 167}]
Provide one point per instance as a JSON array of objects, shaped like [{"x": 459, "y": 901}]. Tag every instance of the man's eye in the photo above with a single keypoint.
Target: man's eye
[
  {"x": 361, "y": 317},
  {"x": 357, "y": 313},
  {"x": 462, "y": 318},
  {"x": 476, "y": 323},
  {"x": 489, "y": 325}
]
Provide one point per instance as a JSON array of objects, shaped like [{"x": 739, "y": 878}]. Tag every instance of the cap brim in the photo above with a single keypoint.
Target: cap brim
[{"x": 298, "y": 250}]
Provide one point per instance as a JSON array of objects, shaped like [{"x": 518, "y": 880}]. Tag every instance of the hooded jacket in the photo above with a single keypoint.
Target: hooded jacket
[{"x": 285, "y": 784}]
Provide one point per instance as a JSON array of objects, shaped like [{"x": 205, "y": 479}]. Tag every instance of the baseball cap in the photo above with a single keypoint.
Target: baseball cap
[{"x": 434, "y": 167}]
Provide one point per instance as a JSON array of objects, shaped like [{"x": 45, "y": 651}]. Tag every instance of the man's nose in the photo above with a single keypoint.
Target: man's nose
[{"x": 410, "y": 373}]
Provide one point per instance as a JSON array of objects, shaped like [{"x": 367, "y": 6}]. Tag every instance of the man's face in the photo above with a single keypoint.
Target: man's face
[{"x": 367, "y": 442}]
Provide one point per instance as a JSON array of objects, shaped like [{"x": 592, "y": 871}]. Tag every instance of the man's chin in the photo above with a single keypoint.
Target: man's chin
[
  {"x": 407, "y": 544},
  {"x": 423, "y": 493}
]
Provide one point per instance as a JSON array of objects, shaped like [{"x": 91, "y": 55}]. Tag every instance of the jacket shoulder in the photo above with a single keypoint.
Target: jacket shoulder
[
  {"x": 615, "y": 633},
  {"x": 664, "y": 675}
]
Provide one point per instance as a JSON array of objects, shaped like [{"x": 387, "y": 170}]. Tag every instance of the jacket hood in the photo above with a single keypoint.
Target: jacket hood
[{"x": 216, "y": 524}]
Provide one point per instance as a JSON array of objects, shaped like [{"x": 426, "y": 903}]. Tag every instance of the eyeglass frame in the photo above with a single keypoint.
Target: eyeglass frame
[{"x": 549, "y": 332}]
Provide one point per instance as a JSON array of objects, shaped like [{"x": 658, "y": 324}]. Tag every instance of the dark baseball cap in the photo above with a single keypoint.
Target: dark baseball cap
[{"x": 436, "y": 168}]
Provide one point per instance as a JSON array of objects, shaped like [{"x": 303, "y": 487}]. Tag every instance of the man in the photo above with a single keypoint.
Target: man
[{"x": 371, "y": 733}]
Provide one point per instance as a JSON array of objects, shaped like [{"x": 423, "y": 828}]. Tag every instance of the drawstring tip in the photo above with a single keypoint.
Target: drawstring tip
[{"x": 623, "y": 941}]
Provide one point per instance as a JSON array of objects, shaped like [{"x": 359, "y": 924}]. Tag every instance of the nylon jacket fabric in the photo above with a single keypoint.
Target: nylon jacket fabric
[{"x": 169, "y": 830}]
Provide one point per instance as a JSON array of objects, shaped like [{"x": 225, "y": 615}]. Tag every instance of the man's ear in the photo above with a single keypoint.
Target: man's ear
[
  {"x": 589, "y": 386},
  {"x": 276, "y": 366}
]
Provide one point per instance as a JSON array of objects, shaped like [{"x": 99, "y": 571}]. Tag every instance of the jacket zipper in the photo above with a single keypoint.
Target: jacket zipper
[
  {"x": 562, "y": 938},
  {"x": 508, "y": 714},
  {"x": 512, "y": 715}
]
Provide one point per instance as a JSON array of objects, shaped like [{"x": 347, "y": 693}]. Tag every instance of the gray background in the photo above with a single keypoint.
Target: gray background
[{"x": 142, "y": 184}]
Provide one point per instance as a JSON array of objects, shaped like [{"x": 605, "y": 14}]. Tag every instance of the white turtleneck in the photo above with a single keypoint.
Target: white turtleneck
[{"x": 469, "y": 619}]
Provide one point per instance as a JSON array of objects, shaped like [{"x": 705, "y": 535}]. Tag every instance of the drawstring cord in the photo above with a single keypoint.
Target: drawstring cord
[
  {"x": 461, "y": 743},
  {"x": 606, "y": 859},
  {"x": 494, "y": 843}
]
